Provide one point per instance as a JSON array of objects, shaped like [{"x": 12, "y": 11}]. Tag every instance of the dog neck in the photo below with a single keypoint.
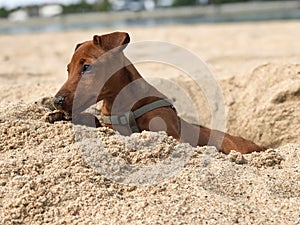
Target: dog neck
[{"x": 129, "y": 92}]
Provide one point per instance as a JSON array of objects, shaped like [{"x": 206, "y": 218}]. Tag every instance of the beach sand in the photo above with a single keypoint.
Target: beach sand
[{"x": 64, "y": 174}]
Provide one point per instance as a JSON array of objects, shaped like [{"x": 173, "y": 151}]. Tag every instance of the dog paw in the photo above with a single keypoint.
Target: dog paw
[{"x": 56, "y": 115}]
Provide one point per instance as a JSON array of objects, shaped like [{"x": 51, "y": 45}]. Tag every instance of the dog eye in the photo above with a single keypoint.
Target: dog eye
[{"x": 86, "y": 68}]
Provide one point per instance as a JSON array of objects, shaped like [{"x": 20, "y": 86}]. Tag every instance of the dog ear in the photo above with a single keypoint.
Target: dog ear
[
  {"x": 77, "y": 46},
  {"x": 112, "y": 40}
]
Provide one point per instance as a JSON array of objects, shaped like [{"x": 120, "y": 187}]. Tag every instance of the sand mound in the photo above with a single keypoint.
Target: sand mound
[
  {"x": 58, "y": 174},
  {"x": 263, "y": 105}
]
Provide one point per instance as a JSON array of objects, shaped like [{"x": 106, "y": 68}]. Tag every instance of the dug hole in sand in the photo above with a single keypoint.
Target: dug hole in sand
[{"x": 46, "y": 178}]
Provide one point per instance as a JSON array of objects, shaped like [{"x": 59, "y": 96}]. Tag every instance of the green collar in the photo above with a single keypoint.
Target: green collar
[{"x": 129, "y": 118}]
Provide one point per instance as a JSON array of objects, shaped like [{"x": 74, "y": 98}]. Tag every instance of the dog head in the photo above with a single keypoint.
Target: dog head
[{"x": 90, "y": 71}]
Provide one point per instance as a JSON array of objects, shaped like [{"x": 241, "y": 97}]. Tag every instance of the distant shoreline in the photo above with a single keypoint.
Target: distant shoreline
[{"x": 250, "y": 11}]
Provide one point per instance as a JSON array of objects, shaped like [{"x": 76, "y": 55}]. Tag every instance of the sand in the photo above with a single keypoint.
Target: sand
[{"x": 64, "y": 174}]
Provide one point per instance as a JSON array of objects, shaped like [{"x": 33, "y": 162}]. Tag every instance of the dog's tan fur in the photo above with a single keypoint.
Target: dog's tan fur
[{"x": 104, "y": 53}]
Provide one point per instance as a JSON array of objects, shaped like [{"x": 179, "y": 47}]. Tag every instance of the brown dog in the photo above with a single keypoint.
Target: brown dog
[{"x": 99, "y": 71}]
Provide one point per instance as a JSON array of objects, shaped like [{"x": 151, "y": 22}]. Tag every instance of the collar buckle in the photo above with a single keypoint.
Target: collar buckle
[{"x": 123, "y": 120}]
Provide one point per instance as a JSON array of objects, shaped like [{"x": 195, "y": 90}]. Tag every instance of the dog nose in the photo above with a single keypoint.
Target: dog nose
[{"x": 58, "y": 101}]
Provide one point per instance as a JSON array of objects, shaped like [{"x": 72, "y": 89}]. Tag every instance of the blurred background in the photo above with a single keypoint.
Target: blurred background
[{"x": 21, "y": 16}]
